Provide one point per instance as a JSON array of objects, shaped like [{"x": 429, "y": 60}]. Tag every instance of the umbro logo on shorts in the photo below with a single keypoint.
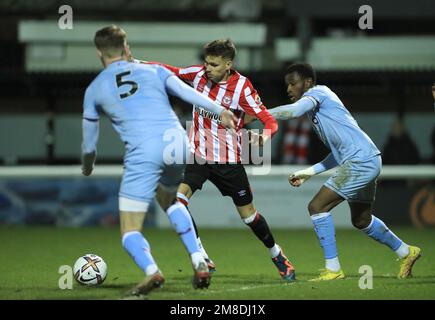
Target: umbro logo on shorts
[{"x": 241, "y": 193}]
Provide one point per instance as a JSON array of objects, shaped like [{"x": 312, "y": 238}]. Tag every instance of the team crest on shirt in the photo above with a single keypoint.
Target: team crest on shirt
[
  {"x": 258, "y": 100},
  {"x": 226, "y": 100}
]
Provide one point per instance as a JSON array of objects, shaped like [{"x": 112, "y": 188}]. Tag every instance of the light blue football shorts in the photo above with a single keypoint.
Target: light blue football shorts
[
  {"x": 155, "y": 162},
  {"x": 355, "y": 181}
]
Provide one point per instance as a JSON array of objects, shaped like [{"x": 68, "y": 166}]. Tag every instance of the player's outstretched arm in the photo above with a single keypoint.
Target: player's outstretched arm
[
  {"x": 254, "y": 109},
  {"x": 178, "y": 88},
  {"x": 294, "y": 110},
  {"x": 89, "y": 145},
  {"x": 270, "y": 128},
  {"x": 299, "y": 177}
]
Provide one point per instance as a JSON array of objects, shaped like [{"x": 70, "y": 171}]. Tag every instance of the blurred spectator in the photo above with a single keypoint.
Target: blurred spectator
[
  {"x": 400, "y": 149},
  {"x": 295, "y": 141}
]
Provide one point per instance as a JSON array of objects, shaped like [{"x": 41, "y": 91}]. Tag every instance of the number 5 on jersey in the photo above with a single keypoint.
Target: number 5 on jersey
[{"x": 120, "y": 83}]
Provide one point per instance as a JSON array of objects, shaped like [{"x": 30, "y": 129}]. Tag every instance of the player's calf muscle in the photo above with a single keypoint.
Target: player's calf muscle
[
  {"x": 246, "y": 211},
  {"x": 361, "y": 214},
  {"x": 361, "y": 222},
  {"x": 131, "y": 221},
  {"x": 164, "y": 198}
]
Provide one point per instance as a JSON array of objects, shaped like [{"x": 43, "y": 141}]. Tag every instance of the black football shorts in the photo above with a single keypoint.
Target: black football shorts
[{"x": 230, "y": 179}]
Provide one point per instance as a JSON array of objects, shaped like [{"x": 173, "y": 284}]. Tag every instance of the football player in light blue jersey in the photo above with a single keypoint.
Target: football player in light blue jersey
[
  {"x": 359, "y": 164},
  {"x": 134, "y": 97}
]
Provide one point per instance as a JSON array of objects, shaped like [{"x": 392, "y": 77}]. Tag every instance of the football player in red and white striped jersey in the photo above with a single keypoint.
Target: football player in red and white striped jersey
[
  {"x": 217, "y": 152},
  {"x": 235, "y": 92}
]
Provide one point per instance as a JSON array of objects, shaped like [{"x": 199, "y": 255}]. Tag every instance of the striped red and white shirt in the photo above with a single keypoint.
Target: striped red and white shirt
[{"x": 208, "y": 138}]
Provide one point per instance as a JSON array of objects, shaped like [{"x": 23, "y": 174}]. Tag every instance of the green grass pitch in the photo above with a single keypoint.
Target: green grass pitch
[{"x": 31, "y": 257}]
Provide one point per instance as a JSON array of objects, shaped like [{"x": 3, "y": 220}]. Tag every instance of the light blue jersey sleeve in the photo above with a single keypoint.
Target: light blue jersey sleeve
[
  {"x": 294, "y": 110},
  {"x": 178, "y": 88},
  {"x": 328, "y": 163},
  {"x": 316, "y": 95},
  {"x": 90, "y": 110},
  {"x": 90, "y": 129}
]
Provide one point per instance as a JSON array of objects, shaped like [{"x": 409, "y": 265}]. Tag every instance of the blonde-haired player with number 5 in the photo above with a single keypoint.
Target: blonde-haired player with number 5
[{"x": 135, "y": 98}]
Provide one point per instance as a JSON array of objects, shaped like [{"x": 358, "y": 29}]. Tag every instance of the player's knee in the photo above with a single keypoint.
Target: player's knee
[
  {"x": 361, "y": 222},
  {"x": 314, "y": 207}
]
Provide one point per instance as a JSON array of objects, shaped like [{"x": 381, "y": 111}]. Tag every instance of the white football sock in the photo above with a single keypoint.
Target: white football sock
[
  {"x": 250, "y": 219},
  {"x": 274, "y": 251},
  {"x": 332, "y": 264},
  {"x": 204, "y": 253},
  {"x": 196, "y": 258},
  {"x": 403, "y": 250},
  {"x": 151, "y": 269}
]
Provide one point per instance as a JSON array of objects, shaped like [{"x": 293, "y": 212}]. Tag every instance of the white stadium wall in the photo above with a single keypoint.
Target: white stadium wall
[{"x": 68, "y": 134}]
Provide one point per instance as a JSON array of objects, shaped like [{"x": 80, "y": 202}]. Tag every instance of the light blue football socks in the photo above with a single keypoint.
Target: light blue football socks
[
  {"x": 378, "y": 231},
  {"x": 182, "y": 223},
  {"x": 139, "y": 249},
  {"x": 324, "y": 228}
]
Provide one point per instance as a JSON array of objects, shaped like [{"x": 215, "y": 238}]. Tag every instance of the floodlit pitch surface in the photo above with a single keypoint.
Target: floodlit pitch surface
[{"x": 31, "y": 258}]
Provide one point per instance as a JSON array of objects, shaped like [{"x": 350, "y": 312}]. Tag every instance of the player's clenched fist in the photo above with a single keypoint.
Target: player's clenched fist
[{"x": 299, "y": 177}]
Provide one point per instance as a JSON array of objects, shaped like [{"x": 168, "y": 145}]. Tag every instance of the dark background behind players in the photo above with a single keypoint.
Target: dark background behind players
[
  {"x": 379, "y": 74},
  {"x": 400, "y": 148},
  {"x": 370, "y": 90}
]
